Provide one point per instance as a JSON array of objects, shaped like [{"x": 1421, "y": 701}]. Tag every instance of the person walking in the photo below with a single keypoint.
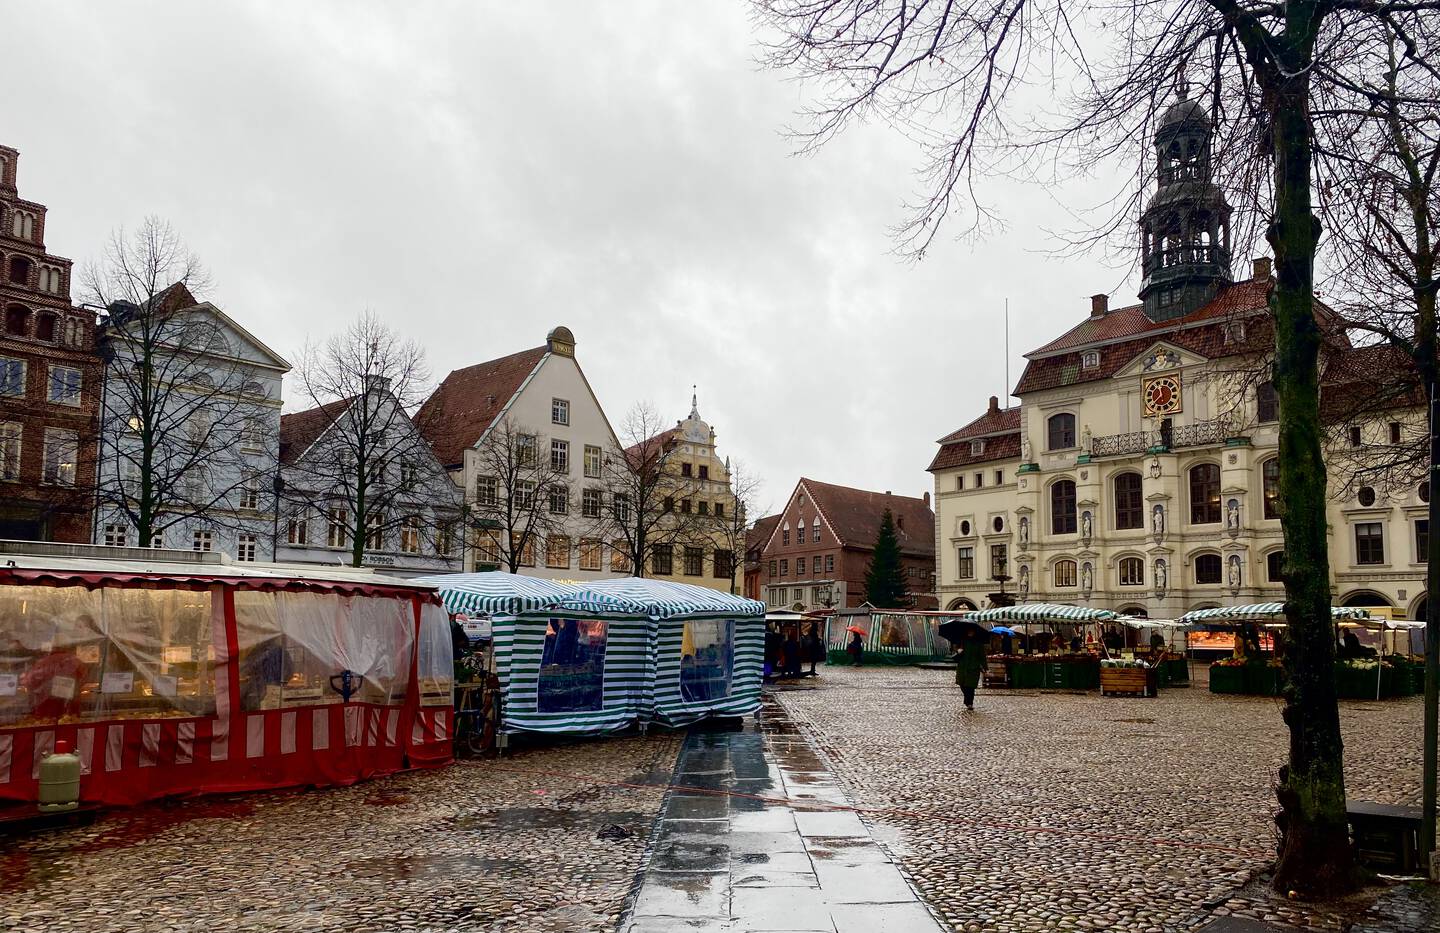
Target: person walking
[
  {"x": 970, "y": 663},
  {"x": 792, "y": 652},
  {"x": 856, "y": 648},
  {"x": 810, "y": 647}
]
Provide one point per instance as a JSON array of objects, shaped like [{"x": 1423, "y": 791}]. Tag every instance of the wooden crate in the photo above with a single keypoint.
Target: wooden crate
[
  {"x": 1129, "y": 681},
  {"x": 996, "y": 673}
]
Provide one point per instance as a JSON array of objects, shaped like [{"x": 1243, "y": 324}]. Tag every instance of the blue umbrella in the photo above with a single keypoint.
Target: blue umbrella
[{"x": 1002, "y": 630}]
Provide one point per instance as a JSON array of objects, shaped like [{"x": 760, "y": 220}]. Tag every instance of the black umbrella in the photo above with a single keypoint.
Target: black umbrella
[{"x": 956, "y": 630}]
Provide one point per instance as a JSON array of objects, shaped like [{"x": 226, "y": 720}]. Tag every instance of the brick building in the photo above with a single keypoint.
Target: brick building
[
  {"x": 821, "y": 543},
  {"x": 50, "y": 381}
]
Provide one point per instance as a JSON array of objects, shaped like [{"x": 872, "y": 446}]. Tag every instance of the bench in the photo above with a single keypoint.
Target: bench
[{"x": 1384, "y": 835}]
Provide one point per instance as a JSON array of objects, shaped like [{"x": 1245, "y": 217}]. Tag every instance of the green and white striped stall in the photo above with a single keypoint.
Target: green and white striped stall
[
  {"x": 1257, "y": 612},
  {"x": 569, "y": 660},
  {"x": 1040, "y": 612},
  {"x": 708, "y": 647}
]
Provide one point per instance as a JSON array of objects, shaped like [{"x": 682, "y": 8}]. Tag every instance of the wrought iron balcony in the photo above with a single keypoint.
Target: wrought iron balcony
[
  {"x": 1189, "y": 254},
  {"x": 1198, "y": 434}
]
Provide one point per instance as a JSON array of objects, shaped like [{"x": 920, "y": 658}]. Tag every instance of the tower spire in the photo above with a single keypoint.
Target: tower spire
[{"x": 694, "y": 403}]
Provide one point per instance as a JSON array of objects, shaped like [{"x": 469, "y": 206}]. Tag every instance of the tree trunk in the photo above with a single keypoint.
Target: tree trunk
[{"x": 1315, "y": 857}]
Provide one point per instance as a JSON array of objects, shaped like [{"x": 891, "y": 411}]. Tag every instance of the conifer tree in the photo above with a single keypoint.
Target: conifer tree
[{"x": 885, "y": 579}]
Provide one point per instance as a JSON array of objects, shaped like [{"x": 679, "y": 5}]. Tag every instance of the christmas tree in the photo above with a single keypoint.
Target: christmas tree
[{"x": 885, "y": 579}]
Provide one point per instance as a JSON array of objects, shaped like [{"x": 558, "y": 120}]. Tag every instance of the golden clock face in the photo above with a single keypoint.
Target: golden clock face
[{"x": 1162, "y": 395}]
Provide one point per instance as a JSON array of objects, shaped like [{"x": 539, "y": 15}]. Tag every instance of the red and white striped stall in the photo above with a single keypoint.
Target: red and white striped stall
[{"x": 176, "y": 678}]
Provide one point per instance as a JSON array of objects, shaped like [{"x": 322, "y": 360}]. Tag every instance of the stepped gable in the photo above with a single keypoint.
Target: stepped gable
[
  {"x": 461, "y": 410},
  {"x": 855, "y": 514}
]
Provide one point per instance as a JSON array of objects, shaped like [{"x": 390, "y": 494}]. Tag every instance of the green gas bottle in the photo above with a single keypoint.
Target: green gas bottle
[{"x": 60, "y": 780}]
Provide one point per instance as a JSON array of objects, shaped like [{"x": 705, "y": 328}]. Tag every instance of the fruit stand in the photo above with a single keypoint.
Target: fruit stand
[{"x": 1057, "y": 668}]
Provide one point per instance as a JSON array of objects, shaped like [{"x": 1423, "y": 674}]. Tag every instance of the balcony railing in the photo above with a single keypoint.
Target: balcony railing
[
  {"x": 1199, "y": 434},
  {"x": 1186, "y": 255}
]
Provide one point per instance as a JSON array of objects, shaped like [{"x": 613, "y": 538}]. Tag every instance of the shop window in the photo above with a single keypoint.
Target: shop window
[
  {"x": 1132, "y": 571},
  {"x": 1062, "y": 507},
  {"x": 707, "y": 660},
  {"x": 1065, "y": 573},
  {"x": 572, "y": 667},
  {"x": 1369, "y": 543},
  {"x": 1275, "y": 566},
  {"x": 1207, "y": 568},
  {"x": 1205, "y": 494},
  {"x": 1060, "y": 431},
  {"x": 1270, "y": 486},
  {"x": 1129, "y": 502}
]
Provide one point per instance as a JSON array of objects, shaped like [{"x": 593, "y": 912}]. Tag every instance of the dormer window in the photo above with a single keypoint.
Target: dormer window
[
  {"x": 1233, "y": 332},
  {"x": 1090, "y": 359},
  {"x": 977, "y": 447}
]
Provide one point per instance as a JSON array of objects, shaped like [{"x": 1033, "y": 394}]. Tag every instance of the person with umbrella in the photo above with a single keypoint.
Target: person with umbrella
[
  {"x": 971, "y": 640},
  {"x": 856, "y": 648}
]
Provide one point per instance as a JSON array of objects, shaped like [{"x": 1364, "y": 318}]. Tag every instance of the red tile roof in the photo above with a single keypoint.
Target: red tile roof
[
  {"x": 855, "y": 514},
  {"x": 958, "y": 453},
  {"x": 646, "y": 447},
  {"x": 455, "y": 416},
  {"x": 994, "y": 421},
  {"x": 757, "y": 534},
  {"x": 1361, "y": 382},
  {"x": 301, "y": 429}
]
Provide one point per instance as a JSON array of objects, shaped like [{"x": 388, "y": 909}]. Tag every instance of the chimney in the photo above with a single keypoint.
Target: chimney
[
  {"x": 1099, "y": 306},
  {"x": 927, "y": 492},
  {"x": 994, "y": 404},
  {"x": 887, "y": 492},
  {"x": 1261, "y": 272}
]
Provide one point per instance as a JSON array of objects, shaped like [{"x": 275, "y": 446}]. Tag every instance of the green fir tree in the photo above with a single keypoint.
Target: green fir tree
[{"x": 885, "y": 578}]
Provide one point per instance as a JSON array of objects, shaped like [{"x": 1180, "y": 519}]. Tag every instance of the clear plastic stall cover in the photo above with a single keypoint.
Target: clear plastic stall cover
[
  {"x": 296, "y": 648},
  {"x": 707, "y": 659},
  {"x": 436, "y": 664},
  {"x": 70, "y": 654}
]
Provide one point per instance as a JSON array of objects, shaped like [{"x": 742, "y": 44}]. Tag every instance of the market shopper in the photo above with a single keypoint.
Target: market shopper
[
  {"x": 856, "y": 648},
  {"x": 792, "y": 652},
  {"x": 811, "y": 647},
  {"x": 970, "y": 663}
]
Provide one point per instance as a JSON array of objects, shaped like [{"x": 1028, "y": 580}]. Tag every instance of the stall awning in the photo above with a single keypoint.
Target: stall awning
[
  {"x": 663, "y": 599},
  {"x": 1258, "y": 612},
  {"x": 1041, "y": 612},
  {"x": 496, "y": 593}
]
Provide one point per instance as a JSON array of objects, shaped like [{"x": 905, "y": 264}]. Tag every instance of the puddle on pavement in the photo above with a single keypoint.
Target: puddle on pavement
[
  {"x": 546, "y": 818},
  {"x": 425, "y": 867}
]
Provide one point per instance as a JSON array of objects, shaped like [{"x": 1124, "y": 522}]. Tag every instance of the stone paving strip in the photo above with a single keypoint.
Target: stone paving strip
[{"x": 758, "y": 836}]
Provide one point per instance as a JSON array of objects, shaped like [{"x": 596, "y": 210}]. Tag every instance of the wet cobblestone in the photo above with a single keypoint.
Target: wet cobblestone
[
  {"x": 509, "y": 845},
  {"x": 1072, "y": 812}
]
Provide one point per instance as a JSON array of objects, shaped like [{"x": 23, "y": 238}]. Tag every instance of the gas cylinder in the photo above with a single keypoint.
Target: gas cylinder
[{"x": 59, "y": 780}]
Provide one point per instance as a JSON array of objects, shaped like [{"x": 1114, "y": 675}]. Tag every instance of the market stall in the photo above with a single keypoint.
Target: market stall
[
  {"x": 1160, "y": 645},
  {"x": 707, "y": 648},
  {"x": 175, "y": 677},
  {"x": 890, "y": 637},
  {"x": 569, "y": 659},
  {"x": 1051, "y": 654}
]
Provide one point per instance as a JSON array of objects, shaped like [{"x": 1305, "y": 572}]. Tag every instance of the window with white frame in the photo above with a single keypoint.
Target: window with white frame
[
  {"x": 560, "y": 456},
  {"x": 966, "y": 564},
  {"x": 297, "y": 531},
  {"x": 250, "y": 492},
  {"x": 559, "y": 499},
  {"x": 524, "y": 494},
  {"x": 62, "y": 449},
  {"x": 157, "y": 540},
  {"x": 591, "y": 502},
  {"x": 10, "y": 434},
  {"x": 594, "y": 460},
  {"x": 202, "y": 540},
  {"x": 337, "y": 530},
  {"x": 525, "y": 447},
  {"x": 12, "y": 377},
  {"x": 410, "y": 535},
  {"x": 1132, "y": 571},
  {"x": 65, "y": 383},
  {"x": 487, "y": 490},
  {"x": 1090, "y": 359},
  {"x": 977, "y": 447},
  {"x": 1065, "y": 573},
  {"x": 375, "y": 530},
  {"x": 245, "y": 545},
  {"x": 409, "y": 475},
  {"x": 559, "y": 411},
  {"x": 590, "y": 554},
  {"x": 115, "y": 535}
]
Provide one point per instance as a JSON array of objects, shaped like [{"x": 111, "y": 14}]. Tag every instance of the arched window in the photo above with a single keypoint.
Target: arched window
[
  {"x": 1270, "y": 486},
  {"x": 1132, "y": 571},
  {"x": 1275, "y": 566},
  {"x": 23, "y": 225},
  {"x": 17, "y": 321},
  {"x": 800, "y": 532},
  {"x": 1207, "y": 568},
  {"x": 1062, "y": 507},
  {"x": 1060, "y": 431},
  {"x": 1205, "y": 494},
  {"x": 19, "y": 270},
  {"x": 1129, "y": 502},
  {"x": 45, "y": 327},
  {"x": 1064, "y": 573},
  {"x": 1267, "y": 403}
]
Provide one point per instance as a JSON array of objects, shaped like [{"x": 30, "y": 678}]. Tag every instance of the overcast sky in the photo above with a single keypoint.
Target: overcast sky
[{"x": 478, "y": 172}]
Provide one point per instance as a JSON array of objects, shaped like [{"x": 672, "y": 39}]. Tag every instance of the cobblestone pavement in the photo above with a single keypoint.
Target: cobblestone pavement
[
  {"x": 507, "y": 845},
  {"x": 1076, "y": 812}
]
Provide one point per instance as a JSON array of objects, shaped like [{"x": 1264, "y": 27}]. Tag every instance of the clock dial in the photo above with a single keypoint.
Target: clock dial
[{"x": 1162, "y": 395}]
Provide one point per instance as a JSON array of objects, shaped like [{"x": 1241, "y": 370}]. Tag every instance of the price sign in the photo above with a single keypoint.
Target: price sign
[
  {"x": 163, "y": 686},
  {"x": 62, "y": 688},
  {"x": 9, "y": 684},
  {"x": 118, "y": 682}
]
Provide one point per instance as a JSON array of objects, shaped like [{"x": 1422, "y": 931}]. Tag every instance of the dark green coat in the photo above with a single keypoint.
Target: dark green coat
[{"x": 971, "y": 663}]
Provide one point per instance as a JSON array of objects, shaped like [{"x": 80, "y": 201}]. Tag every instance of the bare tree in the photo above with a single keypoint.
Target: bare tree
[
  {"x": 521, "y": 496},
  {"x": 354, "y": 457},
  {"x": 956, "y": 75},
  {"x": 645, "y": 515},
  {"x": 184, "y": 432},
  {"x": 733, "y": 528}
]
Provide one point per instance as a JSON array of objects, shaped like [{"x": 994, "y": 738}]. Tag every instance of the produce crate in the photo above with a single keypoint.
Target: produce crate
[
  {"x": 1128, "y": 681},
  {"x": 997, "y": 673}
]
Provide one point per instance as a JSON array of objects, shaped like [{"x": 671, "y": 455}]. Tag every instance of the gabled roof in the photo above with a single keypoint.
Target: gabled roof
[
  {"x": 757, "y": 534},
  {"x": 959, "y": 453},
  {"x": 662, "y": 439},
  {"x": 996, "y": 421},
  {"x": 303, "y": 428},
  {"x": 854, "y": 516},
  {"x": 459, "y": 412},
  {"x": 177, "y": 297},
  {"x": 1361, "y": 382}
]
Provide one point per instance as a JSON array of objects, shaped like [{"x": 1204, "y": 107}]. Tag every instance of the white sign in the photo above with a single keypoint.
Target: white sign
[
  {"x": 379, "y": 560},
  {"x": 163, "y": 686},
  {"x": 117, "y": 682},
  {"x": 477, "y": 628},
  {"x": 62, "y": 688},
  {"x": 9, "y": 683}
]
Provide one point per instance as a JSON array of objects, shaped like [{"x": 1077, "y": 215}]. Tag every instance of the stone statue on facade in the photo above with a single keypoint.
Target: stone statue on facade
[
  {"x": 1157, "y": 521},
  {"x": 1025, "y": 450},
  {"x": 1087, "y": 578},
  {"x": 1234, "y": 572},
  {"x": 1160, "y": 576},
  {"x": 1087, "y": 527},
  {"x": 1024, "y": 532},
  {"x": 1232, "y": 517},
  {"x": 1024, "y": 581},
  {"x": 1086, "y": 441}
]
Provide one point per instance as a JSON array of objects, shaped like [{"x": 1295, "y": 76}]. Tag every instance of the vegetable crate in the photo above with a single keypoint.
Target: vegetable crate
[{"x": 1128, "y": 681}]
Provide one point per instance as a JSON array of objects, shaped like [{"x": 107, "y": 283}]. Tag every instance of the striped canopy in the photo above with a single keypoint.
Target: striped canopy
[
  {"x": 1041, "y": 612},
  {"x": 496, "y": 593},
  {"x": 1257, "y": 612},
  {"x": 662, "y": 599}
]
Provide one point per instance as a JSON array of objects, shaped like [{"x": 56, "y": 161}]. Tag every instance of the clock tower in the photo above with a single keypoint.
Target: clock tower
[{"x": 1185, "y": 229}]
